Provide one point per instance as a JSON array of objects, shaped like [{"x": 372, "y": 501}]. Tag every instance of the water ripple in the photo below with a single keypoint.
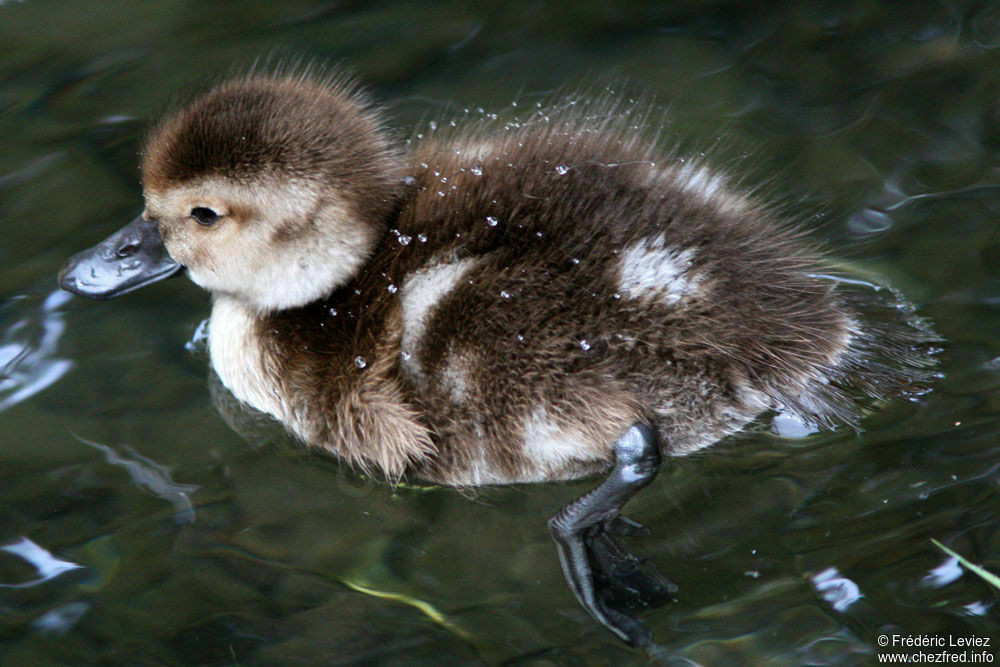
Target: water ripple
[
  {"x": 47, "y": 566},
  {"x": 943, "y": 574},
  {"x": 58, "y": 621},
  {"x": 27, "y": 349},
  {"x": 151, "y": 476},
  {"x": 838, "y": 590}
]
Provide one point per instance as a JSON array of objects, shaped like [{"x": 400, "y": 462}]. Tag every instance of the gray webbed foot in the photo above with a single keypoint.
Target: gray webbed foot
[
  {"x": 611, "y": 583},
  {"x": 622, "y": 580}
]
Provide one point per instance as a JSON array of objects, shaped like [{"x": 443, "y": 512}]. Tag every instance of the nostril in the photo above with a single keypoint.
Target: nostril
[{"x": 127, "y": 249}]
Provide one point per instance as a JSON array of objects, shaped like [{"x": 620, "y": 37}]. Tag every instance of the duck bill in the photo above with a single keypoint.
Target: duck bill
[{"x": 131, "y": 258}]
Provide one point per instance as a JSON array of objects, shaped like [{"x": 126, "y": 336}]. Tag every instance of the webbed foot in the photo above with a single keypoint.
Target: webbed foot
[
  {"x": 612, "y": 583},
  {"x": 623, "y": 581}
]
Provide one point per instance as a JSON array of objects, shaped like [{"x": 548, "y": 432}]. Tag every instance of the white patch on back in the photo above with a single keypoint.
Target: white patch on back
[
  {"x": 421, "y": 292},
  {"x": 650, "y": 269},
  {"x": 700, "y": 181},
  {"x": 707, "y": 185}
]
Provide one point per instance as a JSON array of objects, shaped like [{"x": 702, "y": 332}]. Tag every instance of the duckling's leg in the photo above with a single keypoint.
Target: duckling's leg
[{"x": 608, "y": 580}]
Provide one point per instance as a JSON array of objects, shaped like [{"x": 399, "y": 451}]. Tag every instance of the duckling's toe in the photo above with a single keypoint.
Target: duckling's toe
[
  {"x": 622, "y": 526},
  {"x": 631, "y": 628}
]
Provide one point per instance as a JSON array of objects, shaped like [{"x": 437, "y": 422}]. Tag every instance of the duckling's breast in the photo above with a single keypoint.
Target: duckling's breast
[{"x": 242, "y": 361}]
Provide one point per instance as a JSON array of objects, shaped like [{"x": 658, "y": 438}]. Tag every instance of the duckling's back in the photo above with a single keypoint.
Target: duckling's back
[{"x": 563, "y": 280}]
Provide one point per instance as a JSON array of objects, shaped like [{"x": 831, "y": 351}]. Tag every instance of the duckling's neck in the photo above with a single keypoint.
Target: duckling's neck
[{"x": 239, "y": 358}]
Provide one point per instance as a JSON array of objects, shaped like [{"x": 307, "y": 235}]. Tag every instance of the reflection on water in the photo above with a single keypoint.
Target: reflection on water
[
  {"x": 978, "y": 608},
  {"x": 60, "y": 620},
  {"x": 27, "y": 347},
  {"x": 945, "y": 573},
  {"x": 47, "y": 566},
  {"x": 150, "y": 476},
  {"x": 838, "y": 590}
]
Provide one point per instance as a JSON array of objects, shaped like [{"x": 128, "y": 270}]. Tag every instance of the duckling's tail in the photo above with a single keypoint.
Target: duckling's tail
[{"x": 891, "y": 353}]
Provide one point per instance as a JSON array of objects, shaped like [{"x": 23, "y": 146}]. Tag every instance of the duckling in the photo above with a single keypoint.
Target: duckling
[{"x": 502, "y": 303}]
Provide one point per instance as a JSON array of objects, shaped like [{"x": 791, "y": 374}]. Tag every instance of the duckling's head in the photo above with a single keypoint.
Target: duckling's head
[{"x": 271, "y": 189}]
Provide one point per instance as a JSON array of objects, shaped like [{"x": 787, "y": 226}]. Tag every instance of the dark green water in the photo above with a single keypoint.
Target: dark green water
[{"x": 183, "y": 543}]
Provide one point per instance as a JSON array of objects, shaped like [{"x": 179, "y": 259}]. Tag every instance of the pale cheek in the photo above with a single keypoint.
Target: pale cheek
[
  {"x": 174, "y": 247},
  {"x": 179, "y": 249},
  {"x": 200, "y": 260},
  {"x": 200, "y": 279},
  {"x": 201, "y": 272}
]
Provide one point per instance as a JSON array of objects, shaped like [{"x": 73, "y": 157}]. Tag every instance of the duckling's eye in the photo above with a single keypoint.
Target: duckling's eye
[{"x": 204, "y": 215}]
